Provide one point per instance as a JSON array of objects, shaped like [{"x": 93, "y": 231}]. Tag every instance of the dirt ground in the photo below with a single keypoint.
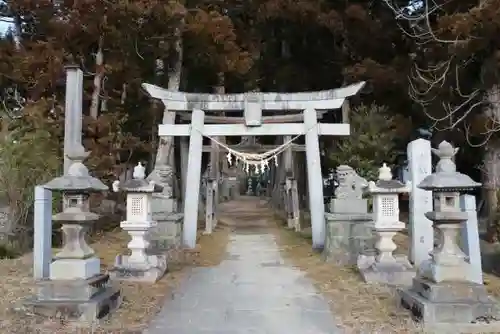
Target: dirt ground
[{"x": 141, "y": 301}]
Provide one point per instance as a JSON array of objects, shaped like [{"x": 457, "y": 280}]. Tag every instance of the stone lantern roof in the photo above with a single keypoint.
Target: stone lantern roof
[
  {"x": 77, "y": 179},
  {"x": 446, "y": 178},
  {"x": 385, "y": 183},
  {"x": 138, "y": 183}
]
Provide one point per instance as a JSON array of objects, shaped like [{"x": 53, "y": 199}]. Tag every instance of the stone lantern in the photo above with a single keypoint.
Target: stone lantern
[
  {"x": 384, "y": 267},
  {"x": 140, "y": 265},
  {"x": 76, "y": 287},
  {"x": 442, "y": 292}
]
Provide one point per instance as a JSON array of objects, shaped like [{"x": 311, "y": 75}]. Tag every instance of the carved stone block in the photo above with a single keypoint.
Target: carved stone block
[{"x": 347, "y": 237}]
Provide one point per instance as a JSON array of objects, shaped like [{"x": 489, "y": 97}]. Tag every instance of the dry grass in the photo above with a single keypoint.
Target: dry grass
[
  {"x": 141, "y": 301},
  {"x": 210, "y": 249},
  {"x": 358, "y": 307},
  {"x": 490, "y": 255}
]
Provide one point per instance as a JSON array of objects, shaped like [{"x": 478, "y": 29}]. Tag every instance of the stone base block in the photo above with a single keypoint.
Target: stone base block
[
  {"x": 449, "y": 303},
  {"x": 150, "y": 271},
  {"x": 87, "y": 301},
  {"x": 98, "y": 308},
  {"x": 450, "y": 292},
  {"x": 399, "y": 273},
  {"x": 69, "y": 269},
  {"x": 167, "y": 233},
  {"x": 71, "y": 289},
  {"x": 347, "y": 237}
]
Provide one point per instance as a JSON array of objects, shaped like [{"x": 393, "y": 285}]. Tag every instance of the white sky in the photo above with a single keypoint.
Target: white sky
[{"x": 3, "y": 27}]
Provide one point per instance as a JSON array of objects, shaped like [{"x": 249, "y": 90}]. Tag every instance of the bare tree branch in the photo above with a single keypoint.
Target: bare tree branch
[
  {"x": 426, "y": 82},
  {"x": 11, "y": 103}
]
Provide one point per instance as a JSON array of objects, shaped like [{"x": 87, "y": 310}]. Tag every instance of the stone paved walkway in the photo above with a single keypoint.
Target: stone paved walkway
[{"x": 252, "y": 291}]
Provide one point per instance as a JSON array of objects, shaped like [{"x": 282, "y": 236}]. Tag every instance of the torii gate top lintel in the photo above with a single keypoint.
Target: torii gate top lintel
[{"x": 319, "y": 100}]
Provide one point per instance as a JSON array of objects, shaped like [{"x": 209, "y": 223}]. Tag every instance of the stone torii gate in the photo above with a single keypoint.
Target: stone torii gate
[{"x": 252, "y": 104}]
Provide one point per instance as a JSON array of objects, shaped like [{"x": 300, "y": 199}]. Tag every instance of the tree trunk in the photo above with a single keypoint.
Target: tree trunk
[
  {"x": 165, "y": 149},
  {"x": 165, "y": 152},
  {"x": 174, "y": 83},
  {"x": 491, "y": 173},
  {"x": 99, "y": 74}
]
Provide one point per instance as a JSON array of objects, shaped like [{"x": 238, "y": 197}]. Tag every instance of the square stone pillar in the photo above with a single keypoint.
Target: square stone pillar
[
  {"x": 294, "y": 200},
  {"x": 287, "y": 198},
  {"x": 210, "y": 206}
]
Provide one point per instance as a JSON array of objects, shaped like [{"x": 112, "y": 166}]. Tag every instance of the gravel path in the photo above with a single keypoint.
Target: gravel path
[{"x": 252, "y": 291}]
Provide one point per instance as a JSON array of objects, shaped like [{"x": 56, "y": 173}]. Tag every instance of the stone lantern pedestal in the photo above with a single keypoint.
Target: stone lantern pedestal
[
  {"x": 141, "y": 264},
  {"x": 442, "y": 292},
  {"x": 76, "y": 290},
  {"x": 385, "y": 267}
]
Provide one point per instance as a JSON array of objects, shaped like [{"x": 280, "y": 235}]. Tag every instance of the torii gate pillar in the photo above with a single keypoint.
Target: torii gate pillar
[
  {"x": 193, "y": 178},
  {"x": 314, "y": 179}
]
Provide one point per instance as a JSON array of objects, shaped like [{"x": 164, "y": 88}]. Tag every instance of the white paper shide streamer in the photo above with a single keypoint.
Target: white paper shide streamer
[{"x": 258, "y": 162}]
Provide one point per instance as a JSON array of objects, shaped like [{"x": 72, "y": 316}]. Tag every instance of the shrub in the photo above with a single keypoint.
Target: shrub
[
  {"x": 29, "y": 156},
  {"x": 371, "y": 142}
]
